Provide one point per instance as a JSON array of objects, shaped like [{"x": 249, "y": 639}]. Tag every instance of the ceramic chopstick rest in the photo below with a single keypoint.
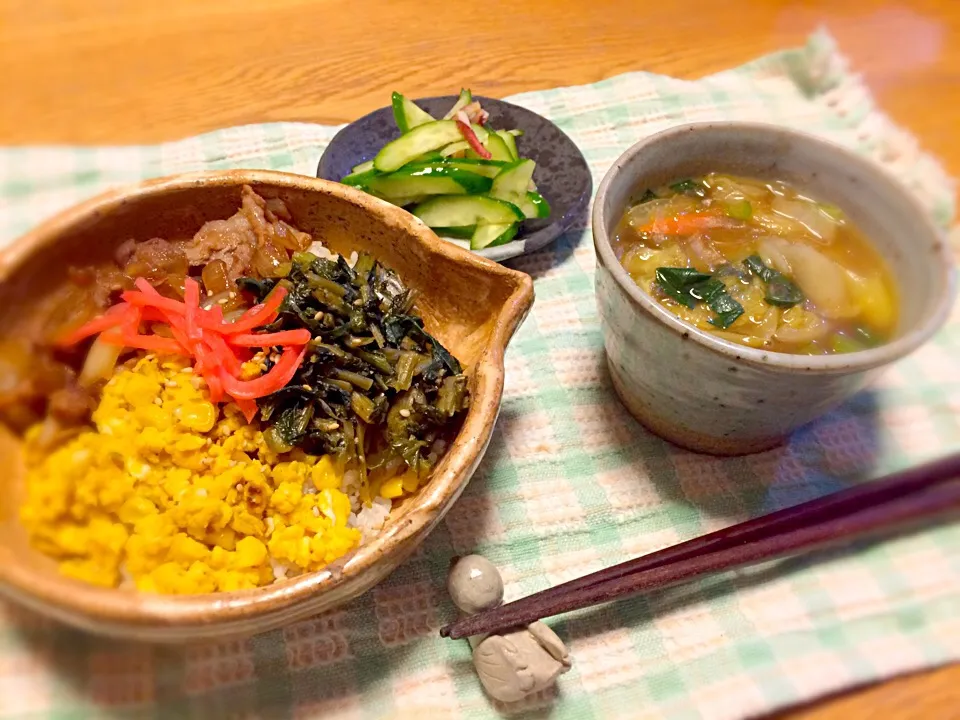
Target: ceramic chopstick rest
[{"x": 510, "y": 665}]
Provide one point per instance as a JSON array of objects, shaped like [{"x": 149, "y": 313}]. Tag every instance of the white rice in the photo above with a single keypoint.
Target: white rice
[
  {"x": 370, "y": 520},
  {"x": 322, "y": 252},
  {"x": 351, "y": 486},
  {"x": 283, "y": 570}
]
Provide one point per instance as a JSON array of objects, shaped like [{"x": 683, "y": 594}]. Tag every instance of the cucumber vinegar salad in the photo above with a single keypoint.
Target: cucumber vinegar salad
[{"x": 462, "y": 178}]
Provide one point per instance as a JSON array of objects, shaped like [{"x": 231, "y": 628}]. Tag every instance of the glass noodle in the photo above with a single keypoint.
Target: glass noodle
[{"x": 759, "y": 264}]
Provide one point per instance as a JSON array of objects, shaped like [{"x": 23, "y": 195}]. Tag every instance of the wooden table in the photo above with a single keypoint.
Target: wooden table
[{"x": 108, "y": 71}]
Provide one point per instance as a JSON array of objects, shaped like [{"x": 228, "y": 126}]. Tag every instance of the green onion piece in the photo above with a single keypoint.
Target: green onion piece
[{"x": 739, "y": 209}]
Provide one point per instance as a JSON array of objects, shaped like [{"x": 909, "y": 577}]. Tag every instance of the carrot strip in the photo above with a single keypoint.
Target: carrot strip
[
  {"x": 278, "y": 376},
  {"x": 265, "y": 340},
  {"x": 685, "y": 224},
  {"x": 471, "y": 137}
]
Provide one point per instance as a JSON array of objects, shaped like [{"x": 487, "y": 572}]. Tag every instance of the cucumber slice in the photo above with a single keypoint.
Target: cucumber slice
[
  {"x": 430, "y": 180},
  {"x": 498, "y": 148},
  {"x": 454, "y": 148},
  {"x": 465, "y": 244},
  {"x": 431, "y": 156},
  {"x": 535, "y": 206},
  {"x": 466, "y": 97},
  {"x": 463, "y": 232},
  {"x": 487, "y": 168},
  {"x": 458, "y": 211},
  {"x": 359, "y": 179},
  {"x": 481, "y": 132},
  {"x": 406, "y": 200},
  {"x": 394, "y": 189},
  {"x": 511, "y": 142},
  {"x": 490, "y": 235},
  {"x": 362, "y": 167},
  {"x": 408, "y": 114},
  {"x": 421, "y": 139},
  {"x": 512, "y": 182}
]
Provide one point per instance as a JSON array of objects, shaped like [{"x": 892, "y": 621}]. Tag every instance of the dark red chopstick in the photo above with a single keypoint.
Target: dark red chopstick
[{"x": 841, "y": 517}]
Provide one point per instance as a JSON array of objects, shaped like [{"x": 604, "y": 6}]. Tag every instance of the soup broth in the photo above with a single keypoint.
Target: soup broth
[{"x": 759, "y": 264}]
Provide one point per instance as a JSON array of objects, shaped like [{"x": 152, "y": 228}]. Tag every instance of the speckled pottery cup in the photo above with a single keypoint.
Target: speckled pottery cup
[{"x": 714, "y": 396}]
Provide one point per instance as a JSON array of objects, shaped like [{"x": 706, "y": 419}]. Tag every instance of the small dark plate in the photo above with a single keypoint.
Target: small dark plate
[{"x": 562, "y": 175}]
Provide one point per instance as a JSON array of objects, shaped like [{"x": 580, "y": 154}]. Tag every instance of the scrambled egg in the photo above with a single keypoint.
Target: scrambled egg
[{"x": 172, "y": 497}]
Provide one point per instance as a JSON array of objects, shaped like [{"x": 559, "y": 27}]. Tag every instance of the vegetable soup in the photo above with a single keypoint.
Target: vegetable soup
[{"x": 759, "y": 264}]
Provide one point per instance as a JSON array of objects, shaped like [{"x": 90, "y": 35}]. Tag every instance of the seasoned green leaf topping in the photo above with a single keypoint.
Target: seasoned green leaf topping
[{"x": 375, "y": 386}]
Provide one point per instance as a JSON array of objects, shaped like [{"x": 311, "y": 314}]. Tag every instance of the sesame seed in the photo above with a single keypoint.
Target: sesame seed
[
  {"x": 405, "y": 413},
  {"x": 187, "y": 371},
  {"x": 319, "y": 315},
  {"x": 316, "y": 511},
  {"x": 232, "y": 295},
  {"x": 358, "y": 302},
  {"x": 209, "y": 293},
  {"x": 171, "y": 384},
  {"x": 308, "y": 388},
  {"x": 157, "y": 401},
  {"x": 222, "y": 301}
]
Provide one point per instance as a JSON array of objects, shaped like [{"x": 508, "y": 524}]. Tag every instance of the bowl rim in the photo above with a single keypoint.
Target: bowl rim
[
  {"x": 543, "y": 236},
  {"x": 941, "y": 261},
  {"x": 173, "y": 618}
]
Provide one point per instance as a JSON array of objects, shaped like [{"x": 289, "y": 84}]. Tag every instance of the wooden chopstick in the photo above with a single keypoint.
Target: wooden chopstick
[{"x": 844, "y": 516}]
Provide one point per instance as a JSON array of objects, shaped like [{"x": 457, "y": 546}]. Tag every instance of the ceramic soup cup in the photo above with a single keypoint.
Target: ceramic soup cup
[{"x": 714, "y": 396}]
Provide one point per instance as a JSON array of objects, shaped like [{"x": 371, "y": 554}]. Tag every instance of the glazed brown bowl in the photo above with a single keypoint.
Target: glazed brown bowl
[{"x": 473, "y": 306}]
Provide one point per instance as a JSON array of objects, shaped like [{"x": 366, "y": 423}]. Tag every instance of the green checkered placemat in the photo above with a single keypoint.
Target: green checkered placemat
[{"x": 570, "y": 483}]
